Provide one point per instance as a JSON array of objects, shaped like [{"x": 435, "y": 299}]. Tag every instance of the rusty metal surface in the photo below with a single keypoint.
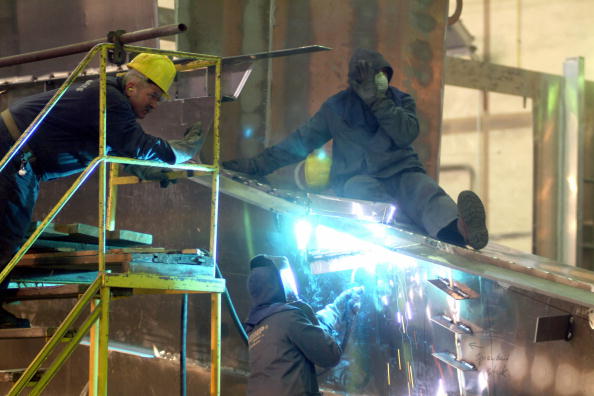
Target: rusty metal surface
[
  {"x": 36, "y": 24},
  {"x": 410, "y": 34}
]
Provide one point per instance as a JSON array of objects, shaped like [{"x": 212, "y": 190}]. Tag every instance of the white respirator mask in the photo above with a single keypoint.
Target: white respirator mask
[{"x": 381, "y": 82}]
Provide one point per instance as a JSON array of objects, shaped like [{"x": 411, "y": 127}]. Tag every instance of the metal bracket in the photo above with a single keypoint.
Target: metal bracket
[
  {"x": 456, "y": 290},
  {"x": 552, "y": 328},
  {"x": 450, "y": 359},
  {"x": 451, "y": 325},
  {"x": 117, "y": 55}
]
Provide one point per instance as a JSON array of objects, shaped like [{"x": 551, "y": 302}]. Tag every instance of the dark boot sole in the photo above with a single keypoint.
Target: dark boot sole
[{"x": 472, "y": 213}]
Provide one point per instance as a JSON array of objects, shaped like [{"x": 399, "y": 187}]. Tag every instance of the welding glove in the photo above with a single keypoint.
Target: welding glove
[
  {"x": 185, "y": 149},
  {"x": 151, "y": 173},
  {"x": 336, "y": 318},
  {"x": 370, "y": 86},
  {"x": 243, "y": 165}
]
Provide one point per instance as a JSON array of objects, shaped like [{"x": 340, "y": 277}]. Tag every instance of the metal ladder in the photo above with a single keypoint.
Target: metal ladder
[{"x": 99, "y": 293}]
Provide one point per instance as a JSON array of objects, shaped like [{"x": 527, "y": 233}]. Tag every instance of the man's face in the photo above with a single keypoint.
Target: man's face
[{"x": 143, "y": 96}]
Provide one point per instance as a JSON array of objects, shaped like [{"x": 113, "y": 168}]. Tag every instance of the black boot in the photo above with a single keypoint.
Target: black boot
[{"x": 472, "y": 220}]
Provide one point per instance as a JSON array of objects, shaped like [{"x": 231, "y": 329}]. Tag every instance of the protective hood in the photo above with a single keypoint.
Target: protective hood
[
  {"x": 271, "y": 280},
  {"x": 266, "y": 289},
  {"x": 377, "y": 61}
]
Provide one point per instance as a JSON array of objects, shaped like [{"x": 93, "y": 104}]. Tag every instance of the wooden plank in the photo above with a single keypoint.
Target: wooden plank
[
  {"x": 169, "y": 283},
  {"x": 494, "y": 78},
  {"x": 87, "y": 234},
  {"x": 53, "y": 277},
  {"x": 174, "y": 270},
  {"x": 49, "y": 232},
  {"x": 72, "y": 259},
  {"x": 34, "y": 332},
  {"x": 116, "y": 259},
  {"x": 12, "y": 375},
  {"x": 42, "y": 293}
]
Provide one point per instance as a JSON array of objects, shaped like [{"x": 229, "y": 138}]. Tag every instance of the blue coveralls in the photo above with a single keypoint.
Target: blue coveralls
[{"x": 64, "y": 144}]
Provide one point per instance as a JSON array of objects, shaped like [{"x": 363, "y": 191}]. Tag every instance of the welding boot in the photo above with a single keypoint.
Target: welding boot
[
  {"x": 9, "y": 321},
  {"x": 471, "y": 220}
]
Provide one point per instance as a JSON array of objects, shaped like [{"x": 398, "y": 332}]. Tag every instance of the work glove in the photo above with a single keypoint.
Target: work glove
[
  {"x": 336, "y": 318},
  {"x": 370, "y": 86},
  {"x": 151, "y": 173},
  {"x": 244, "y": 165},
  {"x": 185, "y": 149}
]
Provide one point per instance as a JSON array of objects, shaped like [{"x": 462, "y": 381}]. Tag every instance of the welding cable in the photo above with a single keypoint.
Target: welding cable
[
  {"x": 184, "y": 346},
  {"x": 232, "y": 310}
]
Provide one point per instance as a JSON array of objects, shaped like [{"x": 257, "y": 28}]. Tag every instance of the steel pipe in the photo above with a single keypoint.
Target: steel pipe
[{"x": 84, "y": 46}]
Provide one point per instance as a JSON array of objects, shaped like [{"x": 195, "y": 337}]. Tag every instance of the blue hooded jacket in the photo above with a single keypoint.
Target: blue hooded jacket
[
  {"x": 374, "y": 141},
  {"x": 284, "y": 344}
]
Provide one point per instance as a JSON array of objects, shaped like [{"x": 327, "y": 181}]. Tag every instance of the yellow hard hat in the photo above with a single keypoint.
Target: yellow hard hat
[
  {"x": 157, "y": 68},
  {"x": 317, "y": 169}
]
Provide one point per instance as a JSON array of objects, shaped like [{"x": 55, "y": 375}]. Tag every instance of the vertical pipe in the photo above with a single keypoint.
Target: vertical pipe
[
  {"x": 215, "y": 343},
  {"x": 183, "y": 346},
  {"x": 104, "y": 293},
  {"x": 103, "y": 340},
  {"x": 114, "y": 171},
  {"x": 102, "y": 155},
  {"x": 547, "y": 126},
  {"x": 518, "y": 33},
  {"x": 94, "y": 351},
  {"x": 215, "y": 304},
  {"x": 484, "y": 112},
  {"x": 572, "y": 145}
]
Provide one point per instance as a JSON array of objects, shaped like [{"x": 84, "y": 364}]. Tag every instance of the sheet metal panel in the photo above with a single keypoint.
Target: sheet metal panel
[{"x": 31, "y": 25}]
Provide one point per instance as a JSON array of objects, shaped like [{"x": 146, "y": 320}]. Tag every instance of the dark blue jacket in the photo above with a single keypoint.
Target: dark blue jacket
[
  {"x": 67, "y": 140},
  {"x": 374, "y": 141},
  {"x": 284, "y": 343}
]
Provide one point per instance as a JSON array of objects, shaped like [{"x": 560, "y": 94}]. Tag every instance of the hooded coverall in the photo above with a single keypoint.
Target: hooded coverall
[
  {"x": 372, "y": 156},
  {"x": 285, "y": 342},
  {"x": 64, "y": 144}
]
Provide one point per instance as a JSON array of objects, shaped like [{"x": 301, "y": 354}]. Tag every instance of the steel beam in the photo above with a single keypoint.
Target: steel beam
[{"x": 571, "y": 163}]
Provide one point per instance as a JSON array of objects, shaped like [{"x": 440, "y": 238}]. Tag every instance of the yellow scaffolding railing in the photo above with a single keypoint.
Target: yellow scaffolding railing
[{"x": 98, "y": 321}]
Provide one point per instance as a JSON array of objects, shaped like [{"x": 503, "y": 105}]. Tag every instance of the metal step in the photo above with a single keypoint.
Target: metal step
[
  {"x": 87, "y": 234},
  {"x": 42, "y": 293},
  {"x": 33, "y": 332},
  {"x": 12, "y": 375}
]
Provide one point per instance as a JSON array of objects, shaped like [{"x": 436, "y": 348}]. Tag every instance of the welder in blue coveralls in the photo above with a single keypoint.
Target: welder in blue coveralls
[
  {"x": 372, "y": 126},
  {"x": 67, "y": 140},
  {"x": 286, "y": 338}
]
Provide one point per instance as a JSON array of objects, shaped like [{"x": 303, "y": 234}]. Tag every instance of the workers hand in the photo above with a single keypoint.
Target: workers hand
[
  {"x": 151, "y": 173},
  {"x": 244, "y": 165},
  {"x": 363, "y": 83},
  {"x": 370, "y": 86},
  {"x": 185, "y": 149},
  {"x": 349, "y": 301}
]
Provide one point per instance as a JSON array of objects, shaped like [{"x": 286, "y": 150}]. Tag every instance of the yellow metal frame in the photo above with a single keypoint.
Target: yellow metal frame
[{"x": 98, "y": 295}]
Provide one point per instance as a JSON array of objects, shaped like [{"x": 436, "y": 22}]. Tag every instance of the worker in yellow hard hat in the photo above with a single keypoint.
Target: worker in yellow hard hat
[
  {"x": 150, "y": 76},
  {"x": 67, "y": 141}
]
